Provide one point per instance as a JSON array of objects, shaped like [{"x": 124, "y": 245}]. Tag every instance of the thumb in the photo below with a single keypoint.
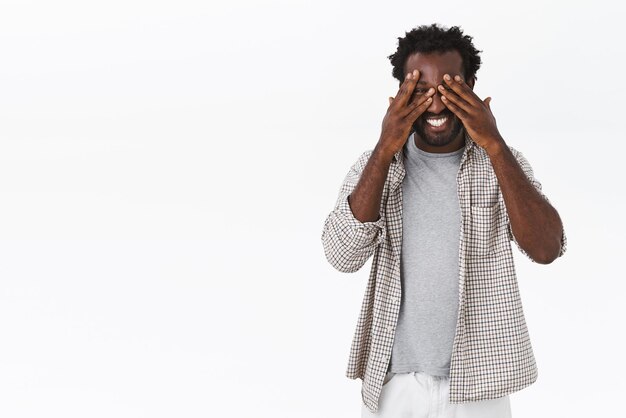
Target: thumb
[
  {"x": 487, "y": 102},
  {"x": 390, "y": 100}
]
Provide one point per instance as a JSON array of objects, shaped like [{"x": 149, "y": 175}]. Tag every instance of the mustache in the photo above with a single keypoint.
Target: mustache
[{"x": 448, "y": 114}]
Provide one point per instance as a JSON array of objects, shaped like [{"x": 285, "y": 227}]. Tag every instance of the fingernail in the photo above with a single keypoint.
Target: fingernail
[
  {"x": 431, "y": 90},
  {"x": 446, "y": 77},
  {"x": 457, "y": 78},
  {"x": 415, "y": 72}
]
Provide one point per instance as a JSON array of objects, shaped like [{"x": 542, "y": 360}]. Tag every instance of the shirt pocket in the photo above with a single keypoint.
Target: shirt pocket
[{"x": 488, "y": 234}]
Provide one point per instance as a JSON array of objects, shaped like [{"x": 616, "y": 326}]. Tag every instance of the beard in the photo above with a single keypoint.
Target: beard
[{"x": 438, "y": 139}]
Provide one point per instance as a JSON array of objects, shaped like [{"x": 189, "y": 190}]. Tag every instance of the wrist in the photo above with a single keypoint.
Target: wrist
[
  {"x": 383, "y": 152},
  {"x": 496, "y": 146}
]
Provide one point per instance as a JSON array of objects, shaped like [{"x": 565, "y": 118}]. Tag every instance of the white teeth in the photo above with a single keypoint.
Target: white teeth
[{"x": 437, "y": 122}]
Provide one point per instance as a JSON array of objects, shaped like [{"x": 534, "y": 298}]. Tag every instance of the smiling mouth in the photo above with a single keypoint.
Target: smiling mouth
[
  {"x": 439, "y": 123},
  {"x": 436, "y": 122}
]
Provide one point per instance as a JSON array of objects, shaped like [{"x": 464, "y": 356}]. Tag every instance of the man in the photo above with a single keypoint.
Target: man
[{"x": 436, "y": 202}]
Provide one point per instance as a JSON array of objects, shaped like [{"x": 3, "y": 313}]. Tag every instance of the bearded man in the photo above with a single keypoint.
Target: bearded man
[{"x": 437, "y": 202}]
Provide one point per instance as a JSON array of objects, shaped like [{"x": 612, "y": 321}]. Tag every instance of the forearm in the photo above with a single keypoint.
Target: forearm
[
  {"x": 535, "y": 224},
  {"x": 366, "y": 198},
  {"x": 349, "y": 242}
]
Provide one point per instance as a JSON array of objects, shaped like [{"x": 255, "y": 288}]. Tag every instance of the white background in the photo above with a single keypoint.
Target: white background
[{"x": 166, "y": 168}]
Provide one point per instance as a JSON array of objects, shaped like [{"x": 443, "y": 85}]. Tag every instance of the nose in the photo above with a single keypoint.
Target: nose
[{"x": 437, "y": 105}]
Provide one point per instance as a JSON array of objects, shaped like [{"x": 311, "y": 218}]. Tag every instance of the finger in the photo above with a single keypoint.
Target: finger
[
  {"x": 488, "y": 103},
  {"x": 454, "y": 108},
  {"x": 421, "y": 98},
  {"x": 406, "y": 89},
  {"x": 462, "y": 89},
  {"x": 454, "y": 97},
  {"x": 419, "y": 107}
]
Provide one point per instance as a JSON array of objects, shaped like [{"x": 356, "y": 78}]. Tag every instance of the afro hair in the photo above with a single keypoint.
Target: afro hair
[{"x": 434, "y": 38}]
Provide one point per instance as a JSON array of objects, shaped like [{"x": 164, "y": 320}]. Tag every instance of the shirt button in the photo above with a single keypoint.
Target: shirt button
[
  {"x": 394, "y": 299},
  {"x": 389, "y": 328}
]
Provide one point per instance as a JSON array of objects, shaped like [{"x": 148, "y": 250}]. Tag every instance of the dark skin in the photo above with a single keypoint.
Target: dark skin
[
  {"x": 431, "y": 68},
  {"x": 535, "y": 223}
]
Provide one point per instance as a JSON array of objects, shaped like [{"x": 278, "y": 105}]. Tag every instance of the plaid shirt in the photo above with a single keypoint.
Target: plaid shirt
[{"x": 491, "y": 354}]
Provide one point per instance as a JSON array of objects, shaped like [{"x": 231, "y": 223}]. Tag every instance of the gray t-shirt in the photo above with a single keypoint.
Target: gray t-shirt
[{"x": 429, "y": 262}]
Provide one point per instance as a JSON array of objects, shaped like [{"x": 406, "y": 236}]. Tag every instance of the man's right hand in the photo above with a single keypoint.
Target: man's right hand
[
  {"x": 402, "y": 113},
  {"x": 366, "y": 197}
]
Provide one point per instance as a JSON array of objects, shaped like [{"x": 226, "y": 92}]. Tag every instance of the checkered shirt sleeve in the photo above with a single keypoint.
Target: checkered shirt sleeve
[{"x": 348, "y": 243}]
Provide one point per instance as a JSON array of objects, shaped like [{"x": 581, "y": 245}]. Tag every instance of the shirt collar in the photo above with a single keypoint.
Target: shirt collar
[{"x": 469, "y": 143}]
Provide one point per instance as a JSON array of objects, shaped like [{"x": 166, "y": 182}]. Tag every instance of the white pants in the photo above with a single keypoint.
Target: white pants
[{"x": 419, "y": 395}]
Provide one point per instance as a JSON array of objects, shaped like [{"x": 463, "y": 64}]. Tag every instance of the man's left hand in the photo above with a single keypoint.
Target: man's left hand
[{"x": 475, "y": 114}]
